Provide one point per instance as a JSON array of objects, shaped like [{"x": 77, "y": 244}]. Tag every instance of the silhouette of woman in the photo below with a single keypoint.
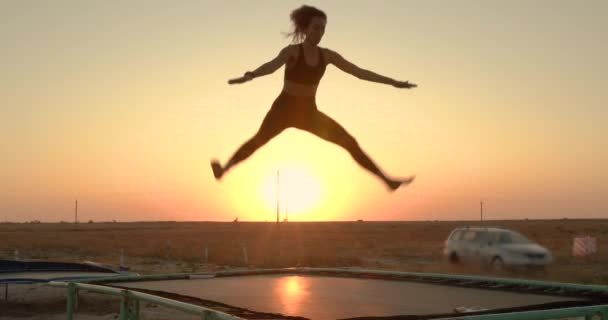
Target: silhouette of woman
[{"x": 305, "y": 63}]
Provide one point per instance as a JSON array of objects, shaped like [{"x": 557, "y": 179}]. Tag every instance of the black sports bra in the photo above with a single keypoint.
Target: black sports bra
[{"x": 304, "y": 73}]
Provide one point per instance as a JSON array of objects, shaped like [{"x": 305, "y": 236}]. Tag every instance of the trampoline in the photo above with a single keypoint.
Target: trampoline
[
  {"x": 308, "y": 293},
  {"x": 22, "y": 271}
]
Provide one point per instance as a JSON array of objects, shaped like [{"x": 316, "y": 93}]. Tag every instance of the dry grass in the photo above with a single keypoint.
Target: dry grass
[{"x": 406, "y": 246}]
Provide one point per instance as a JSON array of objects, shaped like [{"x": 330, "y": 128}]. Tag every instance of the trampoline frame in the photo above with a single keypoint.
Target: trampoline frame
[{"x": 129, "y": 307}]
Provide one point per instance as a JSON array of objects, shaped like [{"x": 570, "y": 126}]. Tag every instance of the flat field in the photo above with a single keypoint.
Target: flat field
[{"x": 165, "y": 247}]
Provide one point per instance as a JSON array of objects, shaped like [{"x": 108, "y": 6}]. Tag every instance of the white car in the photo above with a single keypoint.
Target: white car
[{"x": 495, "y": 247}]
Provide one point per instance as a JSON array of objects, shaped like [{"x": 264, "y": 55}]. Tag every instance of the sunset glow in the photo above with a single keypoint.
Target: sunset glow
[
  {"x": 299, "y": 191},
  {"x": 121, "y": 105}
]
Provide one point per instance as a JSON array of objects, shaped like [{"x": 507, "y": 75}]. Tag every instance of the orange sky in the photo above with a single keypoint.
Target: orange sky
[{"x": 121, "y": 106}]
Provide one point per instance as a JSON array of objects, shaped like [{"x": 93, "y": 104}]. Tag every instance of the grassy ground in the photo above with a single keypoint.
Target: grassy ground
[{"x": 159, "y": 247}]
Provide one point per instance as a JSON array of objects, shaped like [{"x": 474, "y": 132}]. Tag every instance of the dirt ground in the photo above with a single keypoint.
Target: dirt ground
[{"x": 170, "y": 247}]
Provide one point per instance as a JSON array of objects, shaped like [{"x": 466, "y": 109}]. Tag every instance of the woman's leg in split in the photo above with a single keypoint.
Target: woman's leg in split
[
  {"x": 328, "y": 129},
  {"x": 270, "y": 128}
]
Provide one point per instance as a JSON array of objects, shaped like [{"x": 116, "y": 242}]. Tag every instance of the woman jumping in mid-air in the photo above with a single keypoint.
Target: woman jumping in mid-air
[{"x": 305, "y": 64}]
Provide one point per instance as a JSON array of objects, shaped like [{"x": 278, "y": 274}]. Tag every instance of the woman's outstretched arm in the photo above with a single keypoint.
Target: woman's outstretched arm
[
  {"x": 267, "y": 68},
  {"x": 349, "y": 67}
]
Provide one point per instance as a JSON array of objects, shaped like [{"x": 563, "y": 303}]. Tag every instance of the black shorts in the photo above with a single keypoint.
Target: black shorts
[{"x": 289, "y": 111}]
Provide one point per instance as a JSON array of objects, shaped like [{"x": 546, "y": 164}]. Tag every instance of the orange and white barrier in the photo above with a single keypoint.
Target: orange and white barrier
[{"x": 584, "y": 246}]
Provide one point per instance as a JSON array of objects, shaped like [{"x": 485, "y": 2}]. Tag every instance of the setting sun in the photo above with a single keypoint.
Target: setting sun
[{"x": 298, "y": 191}]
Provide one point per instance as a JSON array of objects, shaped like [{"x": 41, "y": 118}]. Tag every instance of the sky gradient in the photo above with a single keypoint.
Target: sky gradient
[{"x": 122, "y": 105}]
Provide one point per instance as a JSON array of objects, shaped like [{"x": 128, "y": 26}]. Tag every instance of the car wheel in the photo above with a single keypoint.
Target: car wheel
[
  {"x": 454, "y": 258},
  {"x": 498, "y": 264}
]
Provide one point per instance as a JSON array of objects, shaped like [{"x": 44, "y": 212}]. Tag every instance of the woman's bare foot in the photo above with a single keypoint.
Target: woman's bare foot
[
  {"x": 395, "y": 184},
  {"x": 218, "y": 171}
]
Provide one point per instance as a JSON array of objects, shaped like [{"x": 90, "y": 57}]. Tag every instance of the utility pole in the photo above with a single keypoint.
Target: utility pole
[
  {"x": 76, "y": 213},
  {"x": 277, "y": 196},
  {"x": 481, "y": 211}
]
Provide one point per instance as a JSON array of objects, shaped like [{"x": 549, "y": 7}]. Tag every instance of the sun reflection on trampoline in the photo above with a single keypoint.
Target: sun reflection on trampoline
[{"x": 291, "y": 291}]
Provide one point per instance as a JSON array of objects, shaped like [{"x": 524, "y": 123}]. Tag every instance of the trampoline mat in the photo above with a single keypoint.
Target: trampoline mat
[{"x": 322, "y": 297}]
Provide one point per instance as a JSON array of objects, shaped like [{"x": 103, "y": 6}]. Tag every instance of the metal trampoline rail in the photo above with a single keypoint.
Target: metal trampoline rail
[{"x": 129, "y": 302}]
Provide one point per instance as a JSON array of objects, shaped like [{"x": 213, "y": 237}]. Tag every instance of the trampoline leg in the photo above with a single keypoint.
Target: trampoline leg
[
  {"x": 604, "y": 313},
  {"x": 71, "y": 298},
  {"x": 76, "y": 298},
  {"x": 134, "y": 309},
  {"x": 123, "y": 306}
]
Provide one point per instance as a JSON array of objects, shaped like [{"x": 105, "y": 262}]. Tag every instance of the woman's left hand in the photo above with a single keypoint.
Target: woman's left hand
[
  {"x": 404, "y": 84},
  {"x": 239, "y": 80}
]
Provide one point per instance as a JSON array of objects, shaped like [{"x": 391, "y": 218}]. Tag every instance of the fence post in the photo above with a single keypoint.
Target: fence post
[
  {"x": 245, "y": 258},
  {"x": 206, "y": 253},
  {"x": 167, "y": 249}
]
